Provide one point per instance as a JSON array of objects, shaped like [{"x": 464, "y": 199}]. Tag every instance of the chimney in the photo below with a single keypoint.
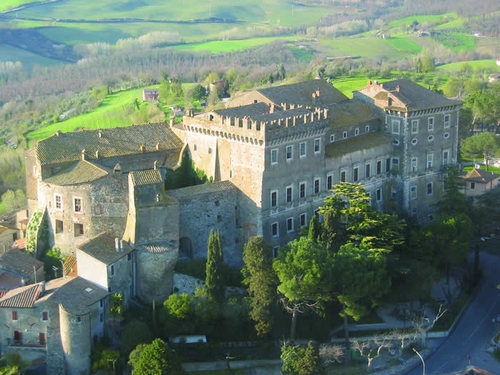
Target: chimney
[
  {"x": 42, "y": 286},
  {"x": 97, "y": 154},
  {"x": 117, "y": 244},
  {"x": 143, "y": 148},
  {"x": 398, "y": 88},
  {"x": 99, "y": 133},
  {"x": 318, "y": 92},
  {"x": 155, "y": 165},
  {"x": 158, "y": 146},
  {"x": 121, "y": 245},
  {"x": 58, "y": 133},
  {"x": 271, "y": 108},
  {"x": 84, "y": 154},
  {"x": 369, "y": 84}
]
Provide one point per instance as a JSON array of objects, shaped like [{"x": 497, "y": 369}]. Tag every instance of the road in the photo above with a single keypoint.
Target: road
[{"x": 472, "y": 335}]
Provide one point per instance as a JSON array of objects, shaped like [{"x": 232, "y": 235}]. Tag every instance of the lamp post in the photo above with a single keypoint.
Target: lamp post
[{"x": 422, "y": 359}]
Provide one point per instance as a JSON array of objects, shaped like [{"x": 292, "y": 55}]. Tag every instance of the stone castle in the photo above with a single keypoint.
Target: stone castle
[{"x": 273, "y": 154}]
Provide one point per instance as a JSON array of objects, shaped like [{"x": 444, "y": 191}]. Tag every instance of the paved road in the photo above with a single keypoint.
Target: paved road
[{"x": 473, "y": 333}]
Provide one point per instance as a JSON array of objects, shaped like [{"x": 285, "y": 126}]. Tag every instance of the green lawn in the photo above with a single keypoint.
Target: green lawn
[
  {"x": 9, "y": 4},
  {"x": 28, "y": 59},
  {"x": 478, "y": 65},
  {"x": 404, "y": 44},
  {"x": 347, "y": 85},
  {"x": 110, "y": 114},
  {"x": 229, "y": 45},
  {"x": 435, "y": 18}
]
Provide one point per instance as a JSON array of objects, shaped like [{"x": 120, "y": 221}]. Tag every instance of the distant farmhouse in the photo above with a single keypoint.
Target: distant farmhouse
[
  {"x": 150, "y": 95},
  {"x": 274, "y": 154}
]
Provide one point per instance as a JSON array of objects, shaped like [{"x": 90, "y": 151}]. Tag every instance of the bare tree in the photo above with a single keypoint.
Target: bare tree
[
  {"x": 423, "y": 324},
  {"x": 330, "y": 354},
  {"x": 371, "y": 349}
]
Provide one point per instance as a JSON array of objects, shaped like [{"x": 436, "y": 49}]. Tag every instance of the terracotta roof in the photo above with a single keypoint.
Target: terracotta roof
[
  {"x": 20, "y": 244},
  {"x": 357, "y": 143},
  {"x": 102, "y": 248},
  {"x": 210, "y": 188},
  {"x": 23, "y": 297},
  {"x": 412, "y": 96},
  {"x": 301, "y": 93},
  {"x": 146, "y": 177},
  {"x": 77, "y": 173},
  {"x": 67, "y": 147},
  {"x": 18, "y": 261},
  {"x": 349, "y": 113},
  {"x": 481, "y": 176}
]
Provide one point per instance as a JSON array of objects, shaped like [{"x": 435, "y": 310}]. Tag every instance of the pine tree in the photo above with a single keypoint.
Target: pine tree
[{"x": 215, "y": 259}]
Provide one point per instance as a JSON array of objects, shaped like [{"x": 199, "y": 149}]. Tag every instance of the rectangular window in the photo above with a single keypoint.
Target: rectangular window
[
  {"x": 329, "y": 182},
  {"x": 414, "y": 126},
  {"x": 430, "y": 122},
  {"x": 413, "y": 192},
  {"x": 344, "y": 135},
  {"x": 289, "y": 153},
  {"x": 274, "y": 229},
  {"x": 101, "y": 317},
  {"x": 112, "y": 270},
  {"x": 395, "y": 127},
  {"x": 395, "y": 164},
  {"x": 45, "y": 315},
  {"x": 59, "y": 226},
  {"x": 58, "y": 201},
  {"x": 388, "y": 165},
  {"x": 289, "y": 224},
  {"x": 302, "y": 190},
  {"x": 430, "y": 158},
  {"x": 14, "y": 315},
  {"x": 355, "y": 174},
  {"x": 414, "y": 164},
  {"x": 275, "y": 251},
  {"x": 317, "y": 144},
  {"x": 303, "y": 220},
  {"x": 472, "y": 185},
  {"x": 78, "y": 228},
  {"x": 274, "y": 156},
  {"x": 367, "y": 128},
  {"x": 274, "y": 198},
  {"x": 429, "y": 188},
  {"x": 316, "y": 185},
  {"x": 289, "y": 194},
  {"x": 332, "y": 138},
  {"x": 342, "y": 176},
  {"x": 302, "y": 149},
  {"x": 379, "y": 195},
  {"x": 101, "y": 303},
  {"x": 367, "y": 170},
  {"x": 447, "y": 121},
  {"x": 379, "y": 166},
  {"x": 77, "y": 204},
  {"x": 41, "y": 339},
  {"x": 445, "y": 157},
  {"x": 356, "y": 131},
  {"x": 129, "y": 256}
]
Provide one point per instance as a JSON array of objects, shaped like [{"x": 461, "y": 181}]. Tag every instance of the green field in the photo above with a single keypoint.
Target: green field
[
  {"x": 477, "y": 65},
  {"x": 229, "y": 45},
  {"x": 366, "y": 47},
  {"x": 403, "y": 44},
  {"x": 9, "y": 4},
  {"x": 28, "y": 59},
  {"x": 435, "y": 18},
  {"x": 110, "y": 114}
]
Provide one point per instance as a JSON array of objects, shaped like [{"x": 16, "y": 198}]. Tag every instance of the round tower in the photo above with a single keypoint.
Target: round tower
[{"x": 75, "y": 338}]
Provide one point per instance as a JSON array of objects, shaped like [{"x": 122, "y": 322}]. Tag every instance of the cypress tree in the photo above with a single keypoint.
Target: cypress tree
[{"x": 214, "y": 281}]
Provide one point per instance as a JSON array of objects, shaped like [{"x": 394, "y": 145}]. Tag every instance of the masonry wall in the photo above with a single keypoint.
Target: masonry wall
[
  {"x": 104, "y": 208},
  {"x": 76, "y": 341},
  {"x": 122, "y": 281},
  {"x": 92, "y": 269}
]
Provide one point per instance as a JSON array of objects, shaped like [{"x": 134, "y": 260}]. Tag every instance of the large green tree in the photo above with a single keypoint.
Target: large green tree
[
  {"x": 156, "y": 359},
  {"x": 358, "y": 279},
  {"x": 302, "y": 266},
  {"x": 481, "y": 145},
  {"x": 349, "y": 217},
  {"x": 261, "y": 281},
  {"x": 214, "y": 279}
]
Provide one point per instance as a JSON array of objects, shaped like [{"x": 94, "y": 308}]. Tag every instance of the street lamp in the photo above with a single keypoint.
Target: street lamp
[{"x": 423, "y": 362}]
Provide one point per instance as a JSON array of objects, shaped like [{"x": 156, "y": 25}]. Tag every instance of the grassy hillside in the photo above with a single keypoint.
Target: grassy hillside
[{"x": 10, "y": 4}]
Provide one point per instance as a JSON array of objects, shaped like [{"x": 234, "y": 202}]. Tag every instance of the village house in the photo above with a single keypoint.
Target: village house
[{"x": 477, "y": 182}]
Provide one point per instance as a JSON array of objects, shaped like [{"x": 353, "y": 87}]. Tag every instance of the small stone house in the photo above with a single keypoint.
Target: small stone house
[
  {"x": 479, "y": 181},
  {"x": 8, "y": 235},
  {"x": 54, "y": 323},
  {"x": 150, "y": 95},
  {"x": 18, "y": 268}
]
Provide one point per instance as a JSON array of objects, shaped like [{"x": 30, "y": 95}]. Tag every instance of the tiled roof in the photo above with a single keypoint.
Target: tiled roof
[
  {"x": 210, "y": 188},
  {"x": 481, "y": 176},
  {"x": 23, "y": 297},
  {"x": 301, "y": 93},
  {"x": 18, "y": 261},
  {"x": 102, "y": 247},
  {"x": 353, "y": 112},
  {"x": 78, "y": 173},
  {"x": 260, "y": 112},
  {"x": 413, "y": 96},
  {"x": 20, "y": 244},
  {"x": 76, "y": 294},
  {"x": 146, "y": 177},
  {"x": 356, "y": 144},
  {"x": 67, "y": 147}
]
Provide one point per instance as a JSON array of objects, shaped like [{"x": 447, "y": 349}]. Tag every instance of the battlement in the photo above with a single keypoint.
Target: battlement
[{"x": 258, "y": 126}]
